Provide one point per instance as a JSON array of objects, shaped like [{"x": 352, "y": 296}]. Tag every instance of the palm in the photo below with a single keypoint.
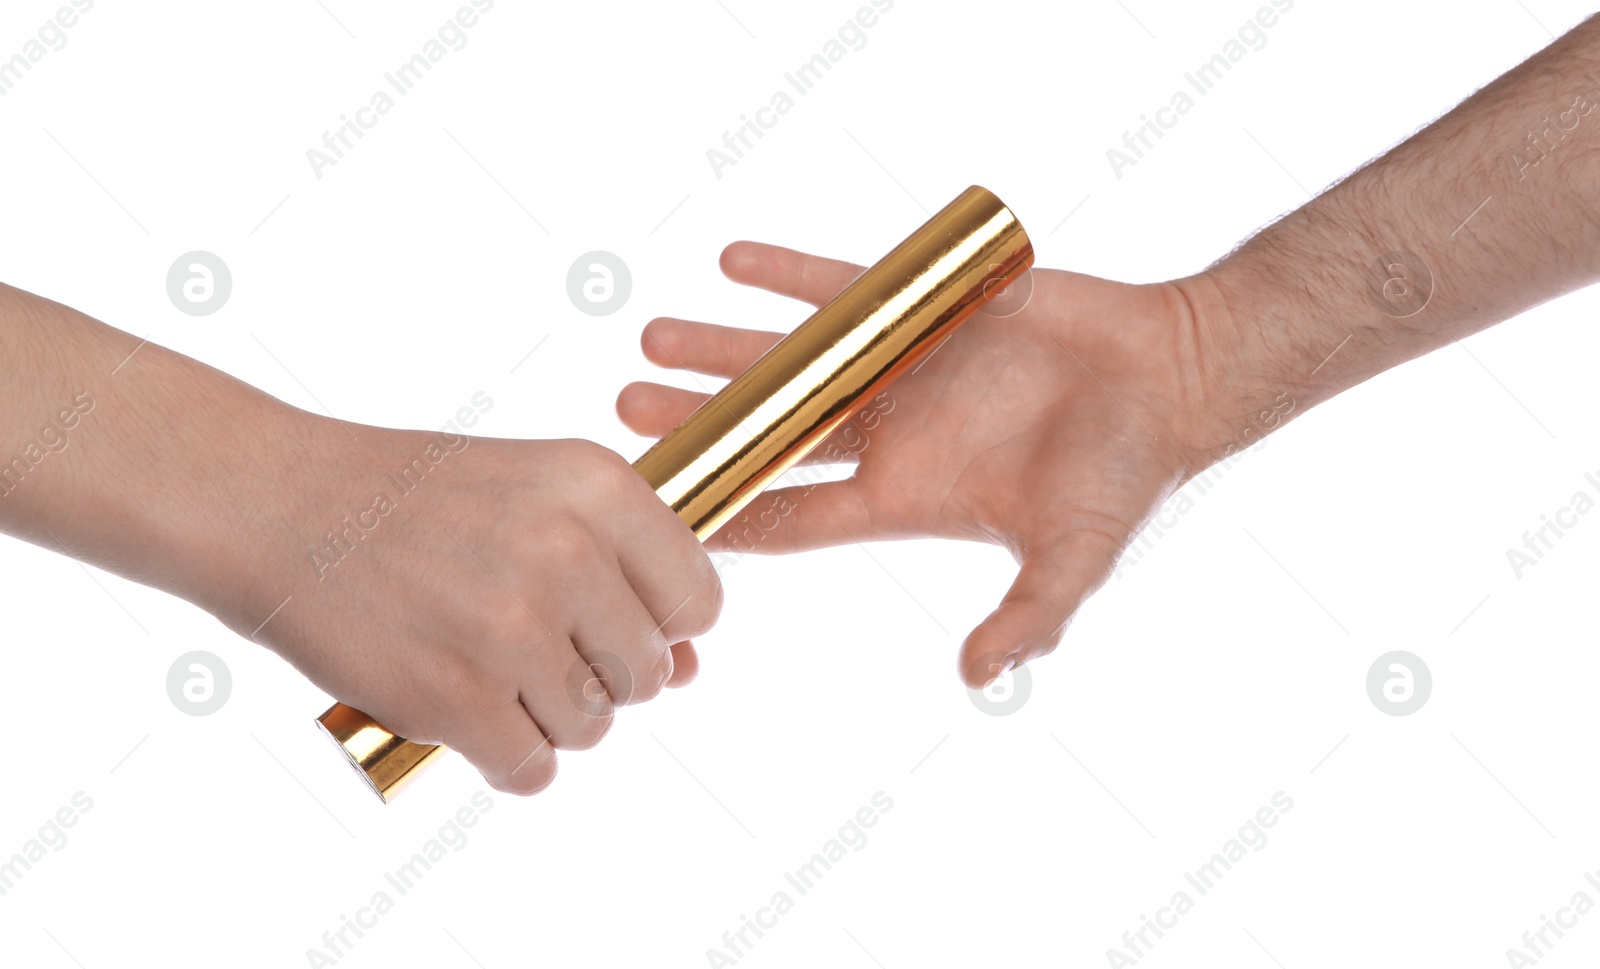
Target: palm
[{"x": 1053, "y": 432}]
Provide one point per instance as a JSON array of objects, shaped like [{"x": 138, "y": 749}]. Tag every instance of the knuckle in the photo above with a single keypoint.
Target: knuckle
[
  {"x": 566, "y": 543},
  {"x": 594, "y": 460},
  {"x": 497, "y": 625},
  {"x": 456, "y": 687}
]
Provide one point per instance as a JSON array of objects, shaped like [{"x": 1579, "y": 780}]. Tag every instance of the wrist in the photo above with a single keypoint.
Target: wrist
[
  {"x": 306, "y": 493},
  {"x": 1242, "y": 350},
  {"x": 231, "y": 524}
]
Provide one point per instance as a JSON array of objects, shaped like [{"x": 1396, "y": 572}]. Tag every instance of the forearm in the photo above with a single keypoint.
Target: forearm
[
  {"x": 1487, "y": 212},
  {"x": 128, "y": 455}
]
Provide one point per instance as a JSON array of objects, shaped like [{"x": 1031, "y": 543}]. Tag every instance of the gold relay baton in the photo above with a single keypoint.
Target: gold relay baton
[{"x": 771, "y": 416}]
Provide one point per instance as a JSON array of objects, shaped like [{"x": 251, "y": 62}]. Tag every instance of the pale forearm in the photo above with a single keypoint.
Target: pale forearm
[
  {"x": 126, "y": 454},
  {"x": 451, "y": 587},
  {"x": 1489, "y": 211}
]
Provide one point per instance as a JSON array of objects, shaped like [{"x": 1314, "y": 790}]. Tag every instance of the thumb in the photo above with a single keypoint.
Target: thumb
[{"x": 1053, "y": 582}]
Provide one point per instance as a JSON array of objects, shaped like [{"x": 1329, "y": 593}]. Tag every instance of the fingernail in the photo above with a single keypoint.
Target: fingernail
[{"x": 997, "y": 670}]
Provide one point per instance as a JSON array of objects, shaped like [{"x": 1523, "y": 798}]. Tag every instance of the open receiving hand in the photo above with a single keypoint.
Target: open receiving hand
[{"x": 1054, "y": 432}]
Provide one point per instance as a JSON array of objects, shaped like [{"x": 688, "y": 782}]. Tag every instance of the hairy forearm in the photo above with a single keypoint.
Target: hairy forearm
[
  {"x": 128, "y": 455},
  {"x": 1487, "y": 212}
]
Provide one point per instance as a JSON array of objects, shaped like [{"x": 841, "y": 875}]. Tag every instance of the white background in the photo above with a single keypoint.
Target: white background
[{"x": 1206, "y": 678}]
